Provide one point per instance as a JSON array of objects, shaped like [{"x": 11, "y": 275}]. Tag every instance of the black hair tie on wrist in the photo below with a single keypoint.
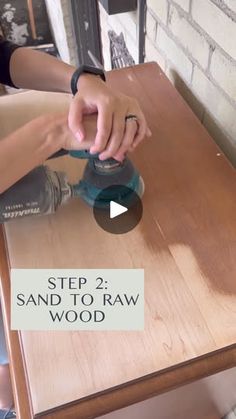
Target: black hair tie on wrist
[{"x": 84, "y": 69}]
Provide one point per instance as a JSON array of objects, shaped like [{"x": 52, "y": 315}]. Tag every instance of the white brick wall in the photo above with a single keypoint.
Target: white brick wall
[
  {"x": 194, "y": 42},
  {"x": 217, "y": 24},
  {"x": 231, "y": 4},
  {"x": 189, "y": 37},
  {"x": 217, "y": 106},
  {"x": 152, "y": 54},
  {"x": 223, "y": 71},
  {"x": 175, "y": 54},
  {"x": 151, "y": 26},
  {"x": 159, "y": 8},
  {"x": 185, "y": 4}
]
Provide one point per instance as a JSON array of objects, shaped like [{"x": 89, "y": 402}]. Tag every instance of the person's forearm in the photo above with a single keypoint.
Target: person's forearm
[
  {"x": 25, "y": 149},
  {"x": 37, "y": 70},
  {"x": 35, "y": 142}
]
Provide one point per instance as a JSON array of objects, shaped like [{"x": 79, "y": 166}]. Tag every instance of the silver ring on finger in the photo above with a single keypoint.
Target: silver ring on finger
[{"x": 131, "y": 117}]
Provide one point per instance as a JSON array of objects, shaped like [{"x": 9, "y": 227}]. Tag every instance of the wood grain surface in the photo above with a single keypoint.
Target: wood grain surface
[{"x": 185, "y": 242}]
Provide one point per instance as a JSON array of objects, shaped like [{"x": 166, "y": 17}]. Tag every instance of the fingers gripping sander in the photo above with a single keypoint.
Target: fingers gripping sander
[
  {"x": 99, "y": 176},
  {"x": 42, "y": 190}
]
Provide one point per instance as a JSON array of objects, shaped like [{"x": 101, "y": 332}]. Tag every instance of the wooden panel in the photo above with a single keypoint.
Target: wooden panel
[
  {"x": 209, "y": 398},
  {"x": 185, "y": 241}
]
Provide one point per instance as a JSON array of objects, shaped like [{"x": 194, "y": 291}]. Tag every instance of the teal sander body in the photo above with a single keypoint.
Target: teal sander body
[
  {"x": 99, "y": 177},
  {"x": 43, "y": 190}
]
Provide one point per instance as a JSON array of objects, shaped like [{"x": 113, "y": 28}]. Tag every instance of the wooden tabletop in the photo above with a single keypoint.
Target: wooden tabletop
[{"x": 186, "y": 243}]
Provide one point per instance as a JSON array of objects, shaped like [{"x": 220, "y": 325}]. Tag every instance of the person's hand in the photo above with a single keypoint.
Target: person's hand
[
  {"x": 115, "y": 135},
  {"x": 56, "y": 127}
]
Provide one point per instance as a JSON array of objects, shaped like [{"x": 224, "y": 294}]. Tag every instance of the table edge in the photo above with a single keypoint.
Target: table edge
[
  {"x": 145, "y": 387},
  {"x": 19, "y": 380}
]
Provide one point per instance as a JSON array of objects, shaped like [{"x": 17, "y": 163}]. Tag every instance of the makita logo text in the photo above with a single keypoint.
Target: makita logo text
[{"x": 21, "y": 213}]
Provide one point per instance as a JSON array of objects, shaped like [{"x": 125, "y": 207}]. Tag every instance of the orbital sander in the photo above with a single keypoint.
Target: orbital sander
[
  {"x": 42, "y": 190},
  {"x": 99, "y": 177}
]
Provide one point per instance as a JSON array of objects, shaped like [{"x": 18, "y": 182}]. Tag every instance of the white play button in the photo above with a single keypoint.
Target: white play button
[{"x": 116, "y": 209}]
